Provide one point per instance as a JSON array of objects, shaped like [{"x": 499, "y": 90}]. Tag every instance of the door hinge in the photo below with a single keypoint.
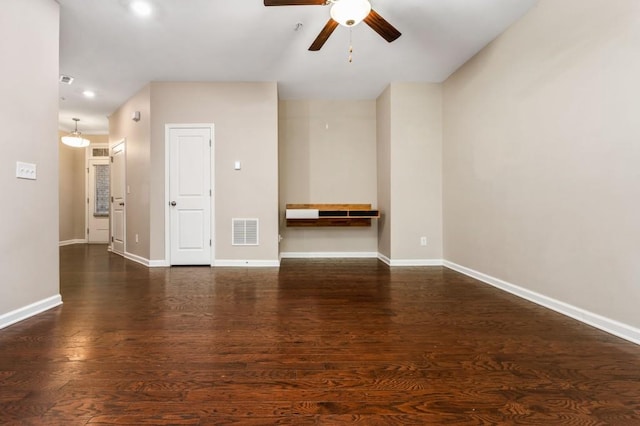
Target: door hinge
[
  {"x": 209, "y": 243},
  {"x": 87, "y": 170},
  {"x": 111, "y": 159},
  {"x": 112, "y": 199},
  {"x": 87, "y": 200},
  {"x": 87, "y": 230},
  {"x": 111, "y": 239},
  {"x": 209, "y": 143},
  {"x": 209, "y": 193}
]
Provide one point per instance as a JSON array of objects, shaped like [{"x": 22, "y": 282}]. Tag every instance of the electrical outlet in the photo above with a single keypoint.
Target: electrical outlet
[{"x": 423, "y": 241}]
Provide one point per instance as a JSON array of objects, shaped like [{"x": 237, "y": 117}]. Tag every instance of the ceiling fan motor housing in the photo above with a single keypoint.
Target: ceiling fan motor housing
[{"x": 347, "y": 13}]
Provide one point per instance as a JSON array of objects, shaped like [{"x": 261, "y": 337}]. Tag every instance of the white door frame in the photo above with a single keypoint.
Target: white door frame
[
  {"x": 122, "y": 142},
  {"x": 92, "y": 162},
  {"x": 167, "y": 174},
  {"x": 88, "y": 159}
]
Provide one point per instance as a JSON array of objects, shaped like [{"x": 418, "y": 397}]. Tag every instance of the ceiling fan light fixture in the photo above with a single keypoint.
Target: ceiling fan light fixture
[
  {"x": 350, "y": 12},
  {"x": 141, "y": 8},
  {"x": 75, "y": 139}
]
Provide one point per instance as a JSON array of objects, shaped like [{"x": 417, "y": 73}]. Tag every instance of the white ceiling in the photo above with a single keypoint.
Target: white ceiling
[{"x": 115, "y": 53}]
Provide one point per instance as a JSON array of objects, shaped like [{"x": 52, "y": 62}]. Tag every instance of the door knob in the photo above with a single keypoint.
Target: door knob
[{"x": 173, "y": 203}]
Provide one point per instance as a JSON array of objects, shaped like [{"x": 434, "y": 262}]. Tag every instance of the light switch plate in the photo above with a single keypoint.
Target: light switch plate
[{"x": 25, "y": 170}]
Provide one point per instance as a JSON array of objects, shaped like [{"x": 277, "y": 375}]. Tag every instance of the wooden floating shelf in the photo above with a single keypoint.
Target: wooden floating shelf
[{"x": 330, "y": 214}]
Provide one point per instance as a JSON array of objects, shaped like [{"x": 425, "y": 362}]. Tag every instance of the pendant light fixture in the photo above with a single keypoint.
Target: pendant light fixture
[{"x": 75, "y": 139}]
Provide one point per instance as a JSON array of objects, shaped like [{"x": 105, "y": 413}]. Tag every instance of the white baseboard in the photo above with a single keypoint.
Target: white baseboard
[
  {"x": 409, "y": 262},
  {"x": 146, "y": 262},
  {"x": 327, "y": 255},
  {"x": 29, "y": 310},
  {"x": 361, "y": 255},
  {"x": 70, "y": 242},
  {"x": 222, "y": 262},
  {"x": 608, "y": 325},
  {"x": 247, "y": 263},
  {"x": 139, "y": 259}
]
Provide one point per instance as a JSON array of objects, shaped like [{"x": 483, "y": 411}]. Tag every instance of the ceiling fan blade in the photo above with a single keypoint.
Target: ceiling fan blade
[
  {"x": 294, "y": 2},
  {"x": 324, "y": 35},
  {"x": 381, "y": 26}
]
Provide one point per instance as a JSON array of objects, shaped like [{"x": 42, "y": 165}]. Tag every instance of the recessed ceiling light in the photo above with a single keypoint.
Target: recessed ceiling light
[
  {"x": 141, "y": 8},
  {"x": 66, "y": 79},
  {"x": 89, "y": 94}
]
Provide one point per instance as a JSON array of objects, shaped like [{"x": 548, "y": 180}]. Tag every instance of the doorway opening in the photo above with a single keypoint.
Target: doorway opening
[
  {"x": 118, "y": 196},
  {"x": 97, "y": 194}
]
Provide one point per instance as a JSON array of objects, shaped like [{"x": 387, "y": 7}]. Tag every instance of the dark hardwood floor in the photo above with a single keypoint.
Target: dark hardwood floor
[{"x": 315, "y": 342}]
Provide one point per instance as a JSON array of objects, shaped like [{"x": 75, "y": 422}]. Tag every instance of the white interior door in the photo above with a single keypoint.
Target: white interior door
[
  {"x": 190, "y": 195},
  {"x": 118, "y": 222},
  {"x": 98, "y": 201}
]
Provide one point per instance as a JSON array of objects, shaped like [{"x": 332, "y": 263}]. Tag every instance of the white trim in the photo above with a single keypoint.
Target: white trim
[
  {"x": 361, "y": 255},
  {"x": 89, "y": 161},
  {"x": 122, "y": 146},
  {"x": 231, "y": 263},
  {"x": 134, "y": 257},
  {"x": 30, "y": 310},
  {"x": 141, "y": 260},
  {"x": 416, "y": 262},
  {"x": 247, "y": 263},
  {"x": 611, "y": 326},
  {"x": 167, "y": 167},
  {"x": 70, "y": 242},
  {"x": 327, "y": 255},
  {"x": 384, "y": 259},
  {"x": 89, "y": 151},
  {"x": 409, "y": 262}
]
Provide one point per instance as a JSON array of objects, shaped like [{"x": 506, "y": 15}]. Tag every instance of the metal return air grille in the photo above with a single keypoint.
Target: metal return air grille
[{"x": 244, "y": 232}]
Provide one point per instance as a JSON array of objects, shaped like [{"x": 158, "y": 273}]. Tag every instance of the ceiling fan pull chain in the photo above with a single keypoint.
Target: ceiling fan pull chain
[{"x": 350, "y": 45}]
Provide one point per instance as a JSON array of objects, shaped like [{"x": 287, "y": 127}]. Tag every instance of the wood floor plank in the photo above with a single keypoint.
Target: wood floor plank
[{"x": 315, "y": 342}]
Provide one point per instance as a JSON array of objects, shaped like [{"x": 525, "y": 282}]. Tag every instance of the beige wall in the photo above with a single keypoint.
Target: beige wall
[
  {"x": 327, "y": 154},
  {"x": 416, "y": 171},
  {"x": 72, "y": 188},
  {"x": 245, "y": 116},
  {"x": 542, "y": 160},
  {"x": 409, "y": 122},
  {"x": 29, "y": 122},
  {"x": 137, "y": 169},
  {"x": 71, "y": 181},
  {"x": 245, "y": 129},
  {"x": 383, "y": 148}
]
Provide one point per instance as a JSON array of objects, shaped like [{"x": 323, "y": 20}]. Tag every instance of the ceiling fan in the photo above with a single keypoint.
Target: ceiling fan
[{"x": 347, "y": 13}]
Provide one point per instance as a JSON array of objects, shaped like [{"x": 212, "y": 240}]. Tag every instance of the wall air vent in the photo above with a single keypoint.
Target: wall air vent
[
  {"x": 244, "y": 232},
  {"x": 66, "y": 79}
]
